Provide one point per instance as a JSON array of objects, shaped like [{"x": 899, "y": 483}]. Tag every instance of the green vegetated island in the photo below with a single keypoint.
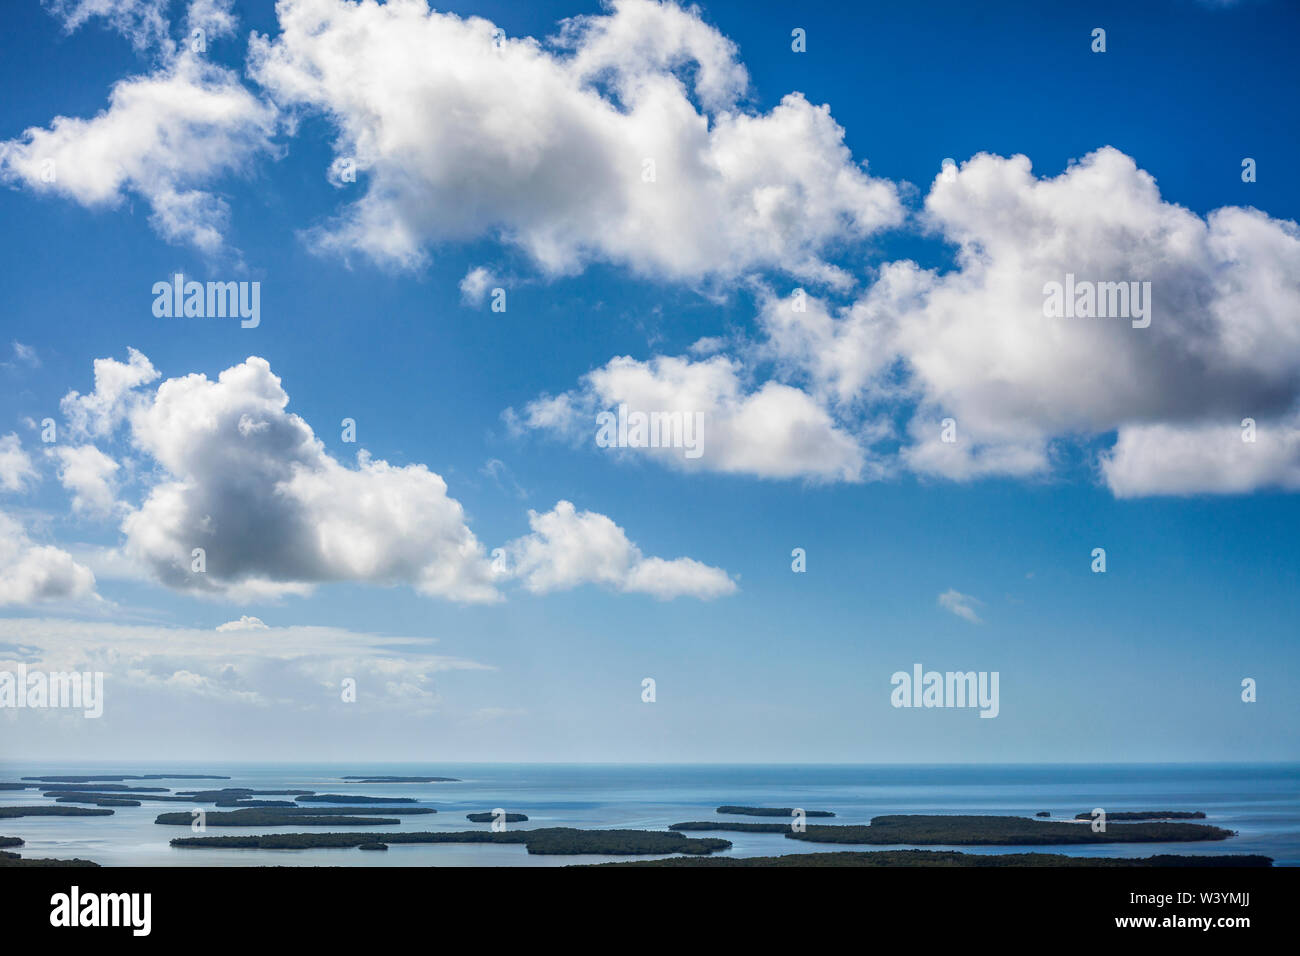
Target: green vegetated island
[
  {"x": 9, "y": 858},
  {"x": 248, "y": 807},
  {"x": 731, "y": 826},
  {"x": 96, "y": 801},
  {"x": 98, "y": 788},
  {"x": 1148, "y": 815},
  {"x": 103, "y": 792},
  {"x": 45, "y": 810},
  {"x": 951, "y": 858},
  {"x": 345, "y": 798},
  {"x": 546, "y": 841},
  {"x": 771, "y": 811},
  {"x": 112, "y": 799},
  {"x": 241, "y": 797},
  {"x": 996, "y": 830},
  {"x": 118, "y": 777},
  {"x": 922, "y": 830},
  {"x": 294, "y": 816}
]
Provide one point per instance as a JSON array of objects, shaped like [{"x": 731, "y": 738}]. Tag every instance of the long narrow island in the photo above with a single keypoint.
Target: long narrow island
[{"x": 551, "y": 840}]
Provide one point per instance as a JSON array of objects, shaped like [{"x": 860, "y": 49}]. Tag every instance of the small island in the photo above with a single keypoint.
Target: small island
[
  {"x": 373, "y": 846},
  {"x": 95, "y": 801},
  {"x": 1148, "y": 815},
  {"x": 238, "y": 793},
  {"x": 771, "y": 811},
  {"x": 731, "y": 826},
  {"x": 13, "y": 859},
  {"x": 490, "y": 817},
  {"x": 1042, "y": 813},
  {"x": 402, "y": 779},
  {"x": 344, "y": 798},
  {"x": 8, "y": 813},
  {"x": 307, "y": 816}
]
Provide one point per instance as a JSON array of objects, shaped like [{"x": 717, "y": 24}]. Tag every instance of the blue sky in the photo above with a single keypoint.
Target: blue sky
[{"x": 922, "y": 299}]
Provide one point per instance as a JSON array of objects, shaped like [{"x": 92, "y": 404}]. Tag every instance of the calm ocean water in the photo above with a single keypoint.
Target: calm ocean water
[{"x": 1261, "y": 802}]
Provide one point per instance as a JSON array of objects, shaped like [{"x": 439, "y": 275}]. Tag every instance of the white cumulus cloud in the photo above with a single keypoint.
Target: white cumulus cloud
[
  {"x": 568, "y": 548},
  {"x": 164, "y": 136},
  {"x": 245, "y": 623},
  {"x": 16, "y": 468},
  {"x": 250, "y": 484},
  {"x": 772, "y": 430},
  {"x": 620, "y": 142},
  {"x": 31, "y": 572},
  {"x": 243, "y": 502},
  {"x": 89, "y": 474}
]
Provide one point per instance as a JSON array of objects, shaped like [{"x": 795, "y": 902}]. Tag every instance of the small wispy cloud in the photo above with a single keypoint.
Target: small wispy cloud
[
  {"x": 26, "y": 354},
  {"x": 963, "y": 605},
  {"x": 499, "y": 472},
  {"x": 474, "y": 287},
  {"x": 245, "y": 623}
]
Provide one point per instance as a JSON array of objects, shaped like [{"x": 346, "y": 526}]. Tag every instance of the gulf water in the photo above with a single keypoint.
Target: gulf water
[{"x": 1259, "y": 801}]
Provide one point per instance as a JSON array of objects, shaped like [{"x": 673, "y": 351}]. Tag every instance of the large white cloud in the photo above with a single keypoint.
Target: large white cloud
[
  {"x": 568, "y": 547},
  {"x": 983, "y": 380},
  {"x": 992, "y": 385},
  {"x": 250, "y": 484},
  {"x": 243, "y": 479},
  {"x": 1223, "y": 341},
  {"x": 774, "y": 430},
  {"x": 458, "y": 135},
  {"x": 164, "y": 136},
  {"x": 1225, "y": 291},
  {"x": 459, "y": 132},
  {"x": 1192, "y": 459}
]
